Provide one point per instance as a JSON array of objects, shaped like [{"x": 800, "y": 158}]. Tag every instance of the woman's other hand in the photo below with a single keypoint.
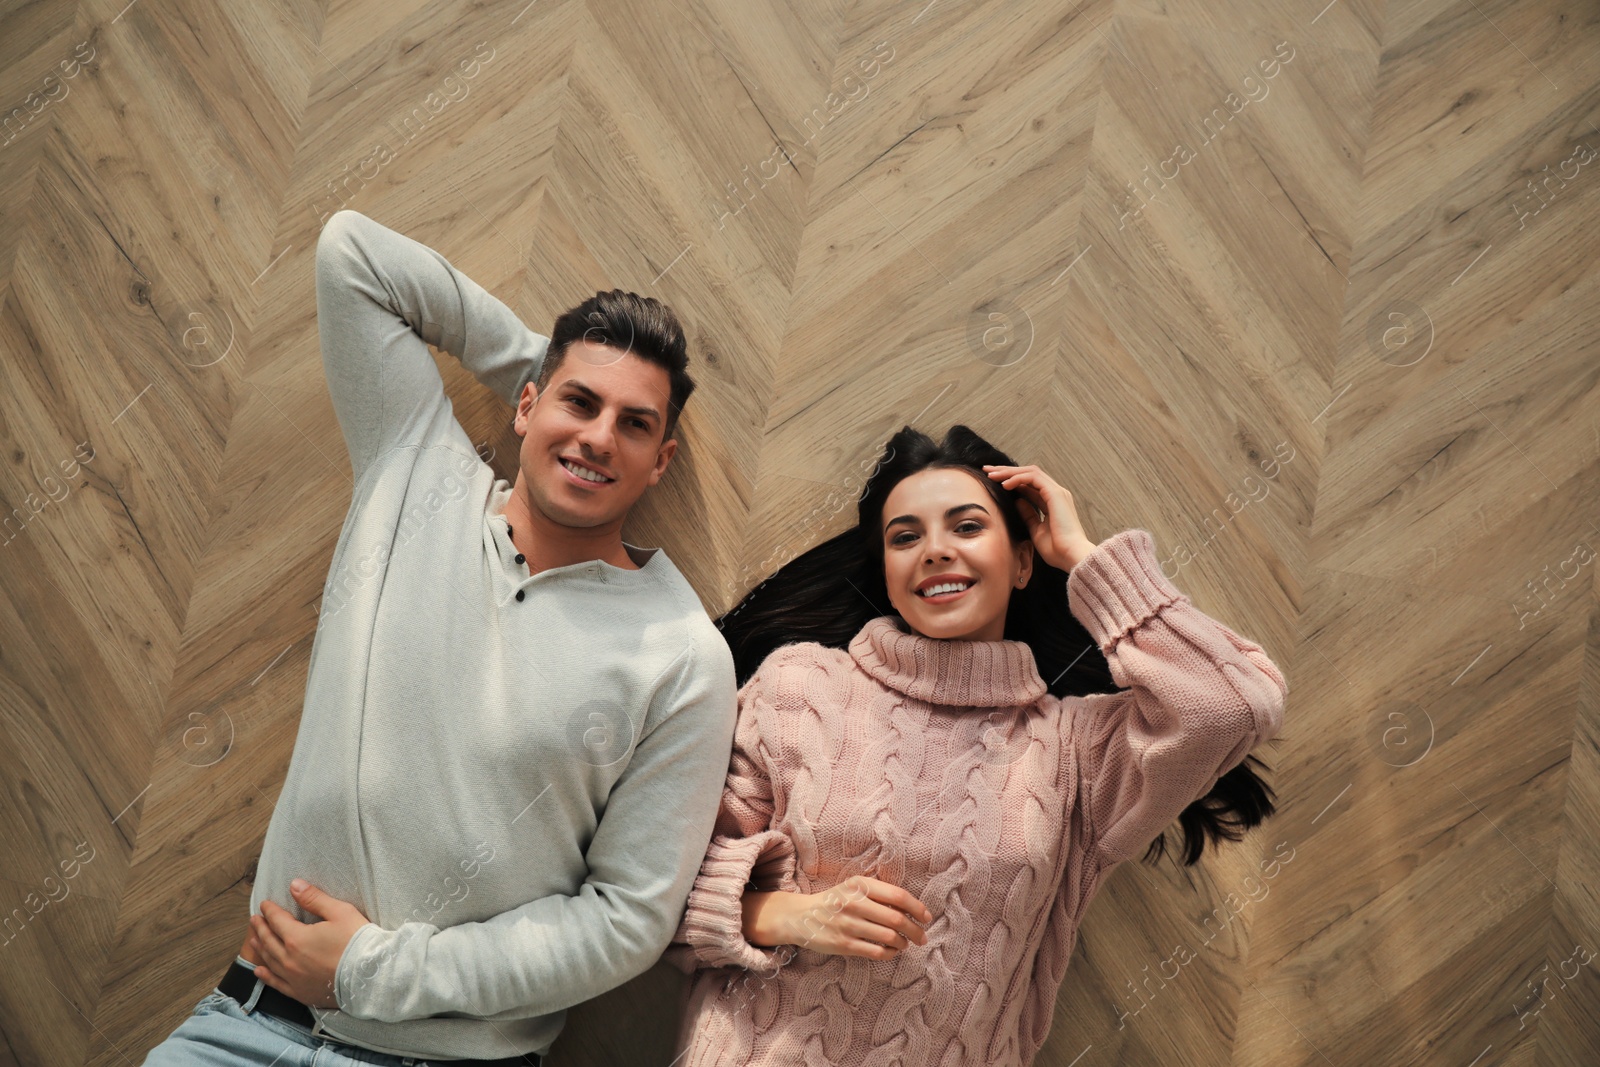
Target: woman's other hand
[
  {"x": 1048, "y": 510},
  {"x": 861, "y": 916}
]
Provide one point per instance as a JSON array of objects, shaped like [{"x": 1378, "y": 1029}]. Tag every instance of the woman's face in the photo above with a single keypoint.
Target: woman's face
[{"x": 941, "y": 527}]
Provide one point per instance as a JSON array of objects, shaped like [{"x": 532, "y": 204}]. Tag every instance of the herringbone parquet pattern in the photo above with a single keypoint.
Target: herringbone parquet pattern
[{"x": 1307, "y": 289}]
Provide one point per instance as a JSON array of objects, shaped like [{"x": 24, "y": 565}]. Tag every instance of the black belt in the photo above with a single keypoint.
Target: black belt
[{"x": 240, "y": 982}]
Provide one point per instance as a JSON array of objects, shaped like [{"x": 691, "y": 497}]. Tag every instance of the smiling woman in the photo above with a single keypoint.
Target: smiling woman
[
  {"x": 944, "y": 493},
  {"x": 943, "y": 520},
  {"x": 935, "y": 621}
]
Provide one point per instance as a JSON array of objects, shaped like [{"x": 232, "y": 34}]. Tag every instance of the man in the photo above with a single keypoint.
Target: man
[{"x": 516, "y": 726}]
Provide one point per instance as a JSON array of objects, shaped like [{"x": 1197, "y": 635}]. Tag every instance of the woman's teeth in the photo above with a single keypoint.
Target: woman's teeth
[
  {"x": 947, "y": 587},
  {"x": 584, "y": 473}
]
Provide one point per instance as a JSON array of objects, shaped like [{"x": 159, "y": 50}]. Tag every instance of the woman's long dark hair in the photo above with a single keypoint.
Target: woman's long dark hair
[{"x": 828, "y": 593}]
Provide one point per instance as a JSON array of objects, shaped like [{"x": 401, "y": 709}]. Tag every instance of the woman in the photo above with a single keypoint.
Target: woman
[{"x": 914, "y": 820}]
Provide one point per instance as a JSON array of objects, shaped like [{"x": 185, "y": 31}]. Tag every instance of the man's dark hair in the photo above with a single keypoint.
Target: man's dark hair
[{"x": 638, "y": 324}]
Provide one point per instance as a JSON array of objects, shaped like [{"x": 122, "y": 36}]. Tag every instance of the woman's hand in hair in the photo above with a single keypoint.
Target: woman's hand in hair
[
  {"x": 861, "y": 916},
  {"x": 1048, "y": 510}
]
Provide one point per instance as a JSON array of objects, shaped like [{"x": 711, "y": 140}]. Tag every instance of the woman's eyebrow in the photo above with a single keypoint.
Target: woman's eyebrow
[{"x": 948, "y": 514}]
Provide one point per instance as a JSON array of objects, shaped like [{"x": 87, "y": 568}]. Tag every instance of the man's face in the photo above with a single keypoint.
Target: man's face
[{"x": 603, "y": 410}]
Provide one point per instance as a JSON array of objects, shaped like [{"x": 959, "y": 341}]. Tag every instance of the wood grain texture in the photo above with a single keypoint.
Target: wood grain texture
[{"x": 1309, "y": 290}]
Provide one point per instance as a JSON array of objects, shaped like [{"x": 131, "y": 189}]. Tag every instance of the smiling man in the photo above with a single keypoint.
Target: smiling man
[{"x": 516, "y": 725}]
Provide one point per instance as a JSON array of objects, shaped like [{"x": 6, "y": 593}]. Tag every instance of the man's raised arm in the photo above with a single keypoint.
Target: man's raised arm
[{"x": 380, "y": 296}]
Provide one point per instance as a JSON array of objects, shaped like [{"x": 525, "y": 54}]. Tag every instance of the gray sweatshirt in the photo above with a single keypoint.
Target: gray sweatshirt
[{"x": 514, "y": 777}]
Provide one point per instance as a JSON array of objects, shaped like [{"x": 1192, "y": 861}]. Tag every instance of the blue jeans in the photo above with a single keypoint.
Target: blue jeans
[{"x": 221, "y": 1033}]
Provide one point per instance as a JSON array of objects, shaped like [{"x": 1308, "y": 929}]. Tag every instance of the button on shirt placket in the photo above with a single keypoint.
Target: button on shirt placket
[{"x": 520, "y": 558}]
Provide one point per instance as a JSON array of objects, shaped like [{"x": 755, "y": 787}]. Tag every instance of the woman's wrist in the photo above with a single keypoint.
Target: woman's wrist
[
  {"x": 1078, "y": 550},
  {"x": 762, "y": 912}
]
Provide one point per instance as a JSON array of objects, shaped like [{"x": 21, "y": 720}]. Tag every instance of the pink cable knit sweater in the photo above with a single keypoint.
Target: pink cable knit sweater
[{"x": 946, "y": 768}]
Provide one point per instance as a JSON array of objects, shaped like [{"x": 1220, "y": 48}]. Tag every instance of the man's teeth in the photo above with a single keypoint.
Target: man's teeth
[
  {"x": 947, "y": 587},
  {"x": 584, "y": 473}
]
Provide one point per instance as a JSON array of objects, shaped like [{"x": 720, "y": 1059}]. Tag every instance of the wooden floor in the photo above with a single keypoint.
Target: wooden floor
[{"x": 1307, "y": 289}]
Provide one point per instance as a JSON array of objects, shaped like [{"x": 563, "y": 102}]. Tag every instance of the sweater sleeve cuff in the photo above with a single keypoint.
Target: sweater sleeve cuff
[
  {"x": 355, "y": 976},
  {"x": 1118, "y": 586},
  {"x": 713, "y": 921}
]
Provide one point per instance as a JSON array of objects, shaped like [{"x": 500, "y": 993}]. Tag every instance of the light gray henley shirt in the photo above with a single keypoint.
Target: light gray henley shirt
[{"x": 514, "y": 777}]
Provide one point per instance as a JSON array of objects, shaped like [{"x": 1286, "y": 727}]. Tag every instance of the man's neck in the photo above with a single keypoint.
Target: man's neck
[{"x": 547, "y": 544}]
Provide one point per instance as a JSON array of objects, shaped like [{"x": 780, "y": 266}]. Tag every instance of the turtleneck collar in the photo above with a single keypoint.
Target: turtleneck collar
[{"x": 983, "y": 674}]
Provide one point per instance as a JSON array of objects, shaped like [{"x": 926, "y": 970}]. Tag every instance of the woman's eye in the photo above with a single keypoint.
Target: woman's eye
[{"x": 966, "y": 526}]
